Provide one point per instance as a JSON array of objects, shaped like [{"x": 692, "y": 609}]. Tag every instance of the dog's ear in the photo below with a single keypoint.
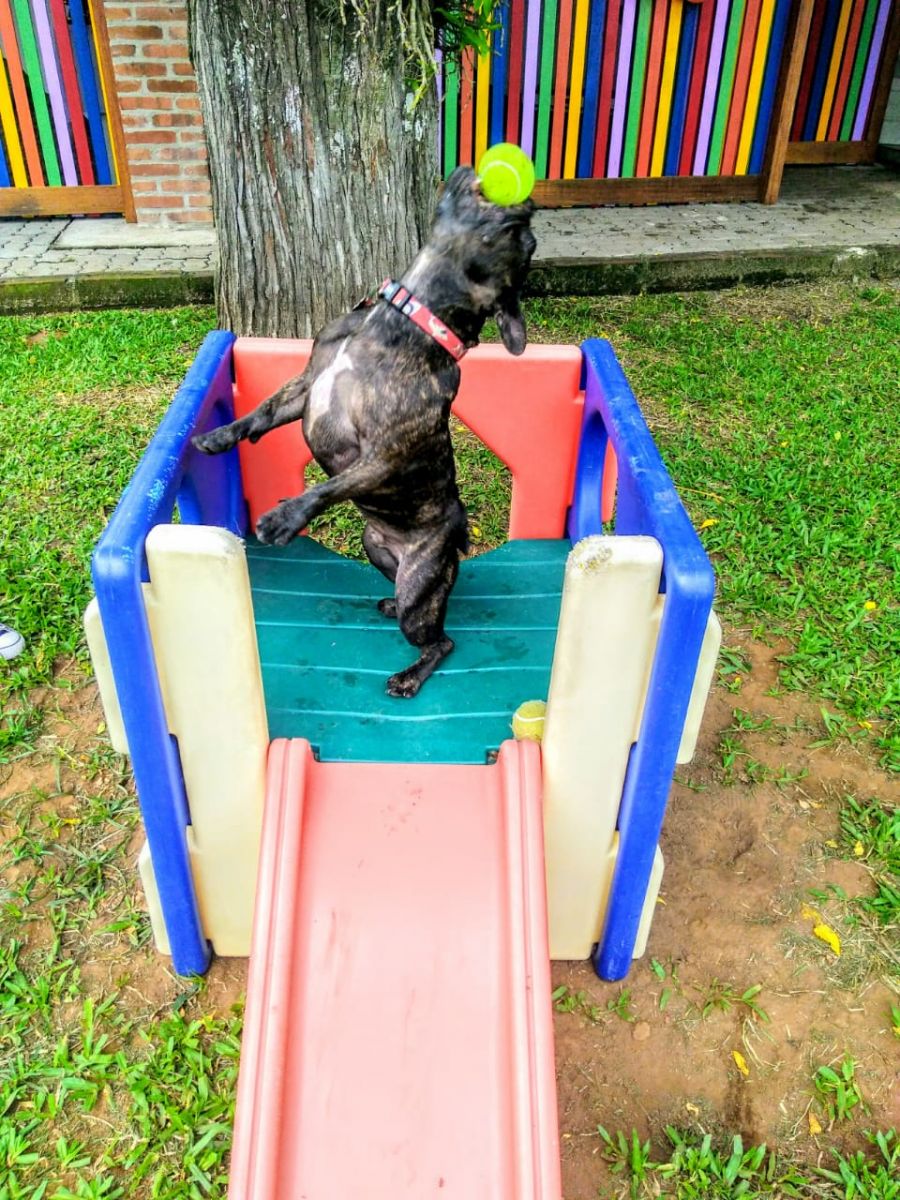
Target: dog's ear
[{"x": 511, "y": 323}]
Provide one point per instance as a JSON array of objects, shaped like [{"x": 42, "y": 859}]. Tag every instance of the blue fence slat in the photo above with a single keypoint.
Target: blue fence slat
[
  {"x": 499, "y": 72},
  {"x": 770, "y": 83},
  {"x": 589, "y": 117},
  {"x": 87, "y": 78},
  {"x": 686, "y": 45},
  {"x": 820, "y": 77}
]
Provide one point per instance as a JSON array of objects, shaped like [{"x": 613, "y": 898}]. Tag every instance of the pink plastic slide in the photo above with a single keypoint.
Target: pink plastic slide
[{"x": 399, "y": 1039}]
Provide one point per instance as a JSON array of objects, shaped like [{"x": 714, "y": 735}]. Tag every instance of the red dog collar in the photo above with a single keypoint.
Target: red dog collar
[{"x": 401, "y": 297}]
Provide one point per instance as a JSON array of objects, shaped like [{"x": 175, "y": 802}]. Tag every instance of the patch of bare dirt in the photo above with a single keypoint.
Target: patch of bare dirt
[
  {"x": 741, "y": 862},
  {"x": 52, "y": 789}
]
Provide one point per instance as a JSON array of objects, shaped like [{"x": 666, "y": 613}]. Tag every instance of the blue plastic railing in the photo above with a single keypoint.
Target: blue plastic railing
[
  {"x": 206, "y": 491},
  {"x": 647, "y": 503}
]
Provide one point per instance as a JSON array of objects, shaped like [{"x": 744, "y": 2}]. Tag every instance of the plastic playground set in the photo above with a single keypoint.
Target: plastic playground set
[{"x": 402, "y": 872}]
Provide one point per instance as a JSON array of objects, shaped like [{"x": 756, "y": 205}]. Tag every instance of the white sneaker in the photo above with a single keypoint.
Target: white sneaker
[{"x": 11, "y": 642}]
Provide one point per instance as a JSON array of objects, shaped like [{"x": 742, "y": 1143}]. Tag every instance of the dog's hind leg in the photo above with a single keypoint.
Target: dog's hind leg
[
  {"x": 424, "y": 582},
  {"x": 286, "y": 405},
  {"x": 384, "y": 556}
]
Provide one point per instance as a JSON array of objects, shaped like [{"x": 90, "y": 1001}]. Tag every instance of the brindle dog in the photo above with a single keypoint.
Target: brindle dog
[{"x": 375, "y": 404}]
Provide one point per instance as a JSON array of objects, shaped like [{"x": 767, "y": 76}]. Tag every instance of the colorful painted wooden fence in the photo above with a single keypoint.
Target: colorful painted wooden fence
[
  {"x": 597, "y": 89},
  {"x": 847, "y": 40},
  {"x": 55, "y": 126}
]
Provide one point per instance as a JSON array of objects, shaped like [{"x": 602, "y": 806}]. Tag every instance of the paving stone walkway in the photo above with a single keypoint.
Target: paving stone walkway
[
  {"x": 829, "y": 220},
  {"x": 47, "y": 249}
]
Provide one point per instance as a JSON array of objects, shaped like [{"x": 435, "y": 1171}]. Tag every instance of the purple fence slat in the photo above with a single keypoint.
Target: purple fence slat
[
  {"x": 529, "y": 86},
  {"x": 865, "y": 97},
  {"x": 711, "y": 88},
  {"x": 54, "y": 89},
  {"x": 620, "y": 98},
  {"x": 439, "y": 83}
]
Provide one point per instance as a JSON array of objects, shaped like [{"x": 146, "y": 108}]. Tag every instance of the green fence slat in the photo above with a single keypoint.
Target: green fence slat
[
  {"x": 548, "y": 43},
  {"x": 636, "y": 88},
  {"x": 859, "y": 67},
  {"x": 451, "y": 116},
  {"x": 32, "y": 65},
  {"x": 726, "y": 86}
]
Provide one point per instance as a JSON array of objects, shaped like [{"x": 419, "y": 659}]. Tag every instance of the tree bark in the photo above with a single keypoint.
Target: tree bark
[{"x": 323, "y": 178}]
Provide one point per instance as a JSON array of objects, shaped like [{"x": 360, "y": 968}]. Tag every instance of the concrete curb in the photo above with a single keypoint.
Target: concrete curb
[
  {"x": 154, "y": 289},
  {"x": 555, "y": 277},
  {"x": 706, "y": 272}
]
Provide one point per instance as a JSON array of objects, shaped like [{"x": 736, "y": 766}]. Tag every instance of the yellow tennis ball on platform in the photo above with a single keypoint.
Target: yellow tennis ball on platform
[
  {"x": 528, "y": 721},
  {"x": 507, "y": 174}
]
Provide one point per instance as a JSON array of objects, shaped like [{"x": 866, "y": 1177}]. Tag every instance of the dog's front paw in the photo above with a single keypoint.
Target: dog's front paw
[
  {"x": 280, "y": 525},
  {"x": 217, "y": 441},
  {"x": 275, "y": 528}
]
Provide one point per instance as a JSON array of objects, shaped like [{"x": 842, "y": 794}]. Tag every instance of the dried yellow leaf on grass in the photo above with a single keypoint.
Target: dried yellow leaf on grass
[
  {"x": 814, "y": 1126},
  {"x": 859, "y": 849},
  {"x": 740, "y": 1062},
  {"x": 827, "y": 935},
  {"x": 809, "y": 914}
]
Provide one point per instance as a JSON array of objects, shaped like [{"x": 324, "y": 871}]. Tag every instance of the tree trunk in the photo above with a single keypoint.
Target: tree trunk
[{"x": 323, "y": 180}]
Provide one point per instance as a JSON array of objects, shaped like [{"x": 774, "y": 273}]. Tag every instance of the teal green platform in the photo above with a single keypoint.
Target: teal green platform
[{"x": 326, "y": 652}]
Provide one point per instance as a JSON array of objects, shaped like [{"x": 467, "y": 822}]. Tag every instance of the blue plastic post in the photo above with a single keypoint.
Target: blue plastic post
[
  {"x": 207, "y": 490},
  {"x": 647, "y": 503}
]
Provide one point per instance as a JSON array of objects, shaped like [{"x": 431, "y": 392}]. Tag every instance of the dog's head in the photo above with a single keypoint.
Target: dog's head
[{"x": 491, "y": 246}]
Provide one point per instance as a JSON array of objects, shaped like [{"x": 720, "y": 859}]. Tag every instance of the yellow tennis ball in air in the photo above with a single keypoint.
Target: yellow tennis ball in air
[
  {"x": 528, "y": 721},
  {"x": 507, "y": 174}
]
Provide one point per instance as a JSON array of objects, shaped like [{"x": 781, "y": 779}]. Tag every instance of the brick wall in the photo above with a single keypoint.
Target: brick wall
[{"x": 160, "y": 110}]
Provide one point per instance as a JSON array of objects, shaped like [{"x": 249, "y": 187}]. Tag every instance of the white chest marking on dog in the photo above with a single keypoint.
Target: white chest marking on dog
[{"x": 321, "y": 390}]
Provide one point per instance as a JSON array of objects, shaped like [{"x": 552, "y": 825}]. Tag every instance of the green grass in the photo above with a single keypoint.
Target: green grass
[
  {"x": 105, "y": 1092},
  {"x": 777, "y": 428},
  {"x": 699, "y": 1166},
  {"x": 102, "y": 1091},
  {"x": 868, "y": 1174},
  {"x": 144, "y": 1110},
  {"x": 838, "y": 1091},
  {"x": 722, "y": 997},
  {"x": 871, "y": 833},
  {"x": 567, "y": 1001},
  {"x": 80, "y": 394},
  {"x": 779, "y": 423},
  {"x": 101, "y": 1095},
  {"x": 868, "y": 920}
]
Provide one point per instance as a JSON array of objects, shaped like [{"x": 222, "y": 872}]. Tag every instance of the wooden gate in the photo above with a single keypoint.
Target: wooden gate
[{"x": 61, "y": 143}]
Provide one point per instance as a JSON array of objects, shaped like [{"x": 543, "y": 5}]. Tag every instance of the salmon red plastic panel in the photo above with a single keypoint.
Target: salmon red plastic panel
[{"x": 527, "y": 410}]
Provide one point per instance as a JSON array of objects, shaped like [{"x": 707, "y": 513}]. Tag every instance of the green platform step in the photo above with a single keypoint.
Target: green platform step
[{"x": 326, "y": 652}]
